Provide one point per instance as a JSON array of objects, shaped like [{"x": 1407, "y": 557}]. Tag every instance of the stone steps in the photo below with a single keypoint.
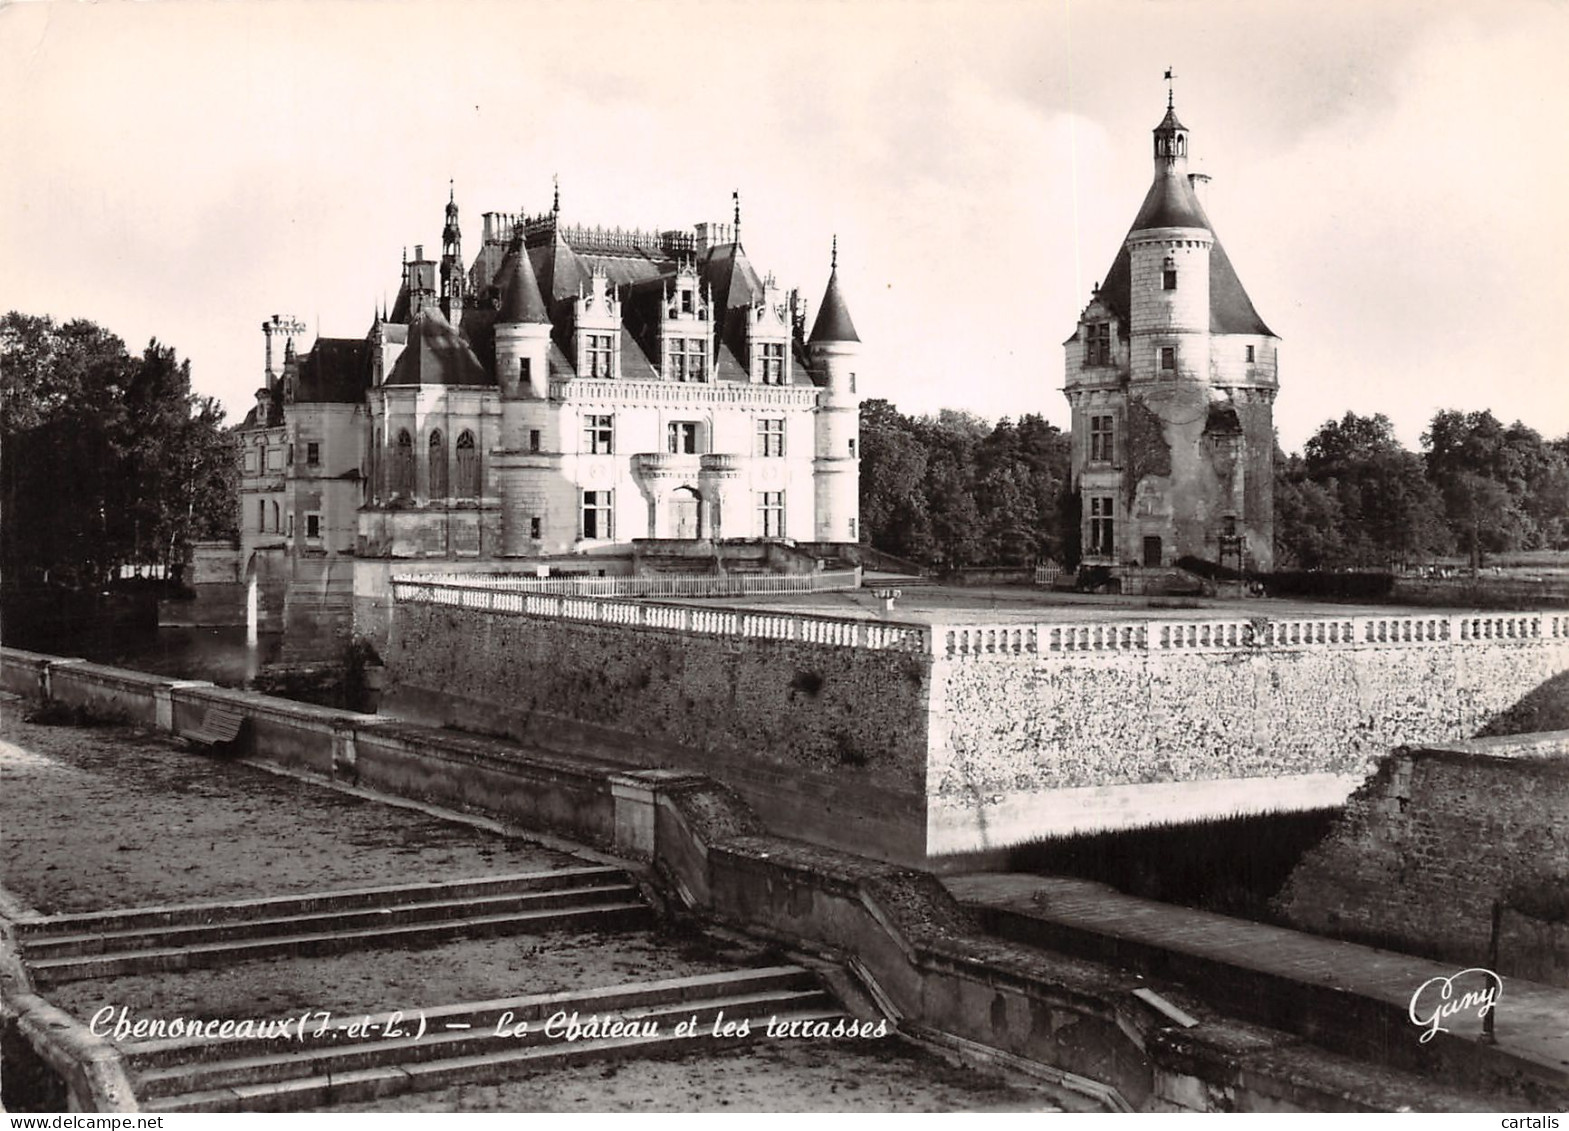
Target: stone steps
[
  {"x": 349, "y": 1059},
  {"x": 71, "y": 948}
]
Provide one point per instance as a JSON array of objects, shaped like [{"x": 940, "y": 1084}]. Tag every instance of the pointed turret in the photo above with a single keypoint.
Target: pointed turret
[
  {"x": 835, "y": 349},
  {"x": 520, "y": 299},
  {"x": 833, "y": 316}
]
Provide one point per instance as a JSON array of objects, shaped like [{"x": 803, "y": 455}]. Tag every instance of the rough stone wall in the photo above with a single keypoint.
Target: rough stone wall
[
  {"x": 1432, "y": 839},
  {"x": 827, "y": 742},
  {"x": 1061, "y": 722}
]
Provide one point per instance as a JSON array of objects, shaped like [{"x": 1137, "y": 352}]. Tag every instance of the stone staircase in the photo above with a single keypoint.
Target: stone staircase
[
  {"x": 67, "y": 948},
  {"x": 319, "y": 1061}
]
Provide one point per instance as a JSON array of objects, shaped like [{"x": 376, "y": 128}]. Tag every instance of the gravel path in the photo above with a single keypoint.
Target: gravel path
[{"x": 115, "y": 817}]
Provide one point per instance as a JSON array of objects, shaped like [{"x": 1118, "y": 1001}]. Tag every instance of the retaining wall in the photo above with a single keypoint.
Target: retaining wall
[
  {"x": 929, "y": 743},
  {"x": 1428, "y": 844}
]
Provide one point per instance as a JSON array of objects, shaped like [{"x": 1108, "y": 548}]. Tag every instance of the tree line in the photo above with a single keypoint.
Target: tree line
[
  {"x": 106, "y": 459},
  {"x": 952, "y": 490}
]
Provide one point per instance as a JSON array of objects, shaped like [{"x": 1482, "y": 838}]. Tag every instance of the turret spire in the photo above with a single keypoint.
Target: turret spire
[
  {"x": 736, "y": 197},
  {"x": 1170, "y": 88},
  {"x": 833, "y": 316},
  {"x": 555, "y": 205}
]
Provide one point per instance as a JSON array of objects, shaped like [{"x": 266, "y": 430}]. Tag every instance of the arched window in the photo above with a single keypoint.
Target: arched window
[
  {"x": 402, "y": 479},
  {"x": 468, "y": 466},
  {"x": 438, "y": 465}
]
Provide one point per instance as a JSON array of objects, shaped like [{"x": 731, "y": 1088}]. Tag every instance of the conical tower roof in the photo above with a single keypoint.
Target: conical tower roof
[
  {"x": 521, "y": 300},
  {"x": 833, "y": 322}
]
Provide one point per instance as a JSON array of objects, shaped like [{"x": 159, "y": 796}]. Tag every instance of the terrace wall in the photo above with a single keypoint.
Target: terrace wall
[{"x": 917, "y": 743}]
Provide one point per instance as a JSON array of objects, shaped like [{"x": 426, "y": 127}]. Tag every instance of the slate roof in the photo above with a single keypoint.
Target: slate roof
[
  {"x": 833, "y": 317},
  {"x": 336, "y": 371},
  {"x": 520, "y": 297},
  {"x": 1168, "y": 205},
  {"x": 437, "y": 355}
]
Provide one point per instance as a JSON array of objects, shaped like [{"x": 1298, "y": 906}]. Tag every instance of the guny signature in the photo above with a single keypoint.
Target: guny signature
[{"x": 1434, "y": 1001}]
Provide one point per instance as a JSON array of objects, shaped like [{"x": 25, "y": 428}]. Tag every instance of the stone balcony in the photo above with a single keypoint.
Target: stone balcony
[{"x": 665, "y": 465}]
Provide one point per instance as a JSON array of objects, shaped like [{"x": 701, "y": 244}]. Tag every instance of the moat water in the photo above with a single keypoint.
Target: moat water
[{"x": 221, "y": 655}]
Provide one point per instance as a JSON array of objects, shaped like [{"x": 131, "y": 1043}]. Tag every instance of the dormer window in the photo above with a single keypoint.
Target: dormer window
[
  {"x": 688, "y": 359},
  {"x": 770, "y": 363},
  {"x": 598, "y": 359},
  {"x": 686, "y": 301},
  {"x": 1097, "y": 343}
]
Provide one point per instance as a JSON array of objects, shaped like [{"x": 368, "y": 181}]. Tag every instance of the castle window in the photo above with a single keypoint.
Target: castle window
[
  {"x": 596, "y": 514},
  {"x": 402, "y": 478},
  {"x": 534, "y": 526},
  {"x": 852, "y": 447},
  {"x": 1168, "y": 360},
  {"x": 312, "y": 454},
  {"x": 771, "y": 363},
  {"x": 468, "y": 466},
  {"x": 599, "y": 357},
  {"x": 1168, "y": 276},
  {"x": 438, "y": 465},
  {"x": 533, "y": 439},
  {"x": 1101, "y": 439},
  {"x": 313, "y": 527},
  {"x": 1097, "y": 343},
  {"x": 852, "y": 382},
  {"x": 291, "y": 524},
  {"x": 261, "y": 515},
  {"x": 276, "y": 524},
  {"x": 1102, "y": 542},
  {"x": 852, "y": 530},
  {"x": 687, "y": 360},
  {"x": 599, "y": 435},
  {"x": 686, "y": 300},
  {"x": 681, "y": 437},
  {"x": 770, "y": 437},
  {"x": 1229, "y": 526},
  {"x": 1251, "y": 358},
  {"x": 770, "y": 514}
]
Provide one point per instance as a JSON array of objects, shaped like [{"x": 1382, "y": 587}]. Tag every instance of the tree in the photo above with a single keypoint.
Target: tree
[
  {"x": 104, "y": 458},
  {"x": 1527, "y": 504},
  {"x": 1389, "y": 510}
]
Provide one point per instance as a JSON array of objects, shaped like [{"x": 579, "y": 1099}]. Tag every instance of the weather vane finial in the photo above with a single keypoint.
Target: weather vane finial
[
  {"x": 833, "y": 263},
  {"x": 555, "y": 205},
  {"x": 1170, "y": 89}
]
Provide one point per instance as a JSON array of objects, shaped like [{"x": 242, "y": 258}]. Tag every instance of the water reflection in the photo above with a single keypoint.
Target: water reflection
[{"x": 221, "y": 655}]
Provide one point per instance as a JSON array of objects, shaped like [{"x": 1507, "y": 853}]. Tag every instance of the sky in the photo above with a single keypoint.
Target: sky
[{"x": 1388, "y": 178}]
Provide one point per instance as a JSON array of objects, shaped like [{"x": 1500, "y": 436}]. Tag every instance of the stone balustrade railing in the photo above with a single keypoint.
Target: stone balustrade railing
[
  {"x": 732, "y": 585},
  {"x": 595, "y": 599},
  {"x": 1226, "y": 634},
  {"x": 512, "y": 596}
]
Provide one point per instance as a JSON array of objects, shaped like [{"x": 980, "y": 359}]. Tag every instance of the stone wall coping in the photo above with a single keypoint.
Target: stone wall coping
[
  {"x": 110, "y": 674},
  {"x": 1541, "y": 745}
]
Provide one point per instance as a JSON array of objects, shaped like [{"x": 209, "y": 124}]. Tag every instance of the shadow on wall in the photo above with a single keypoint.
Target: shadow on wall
[
  {"x": 1228, "y": 865},
  {"x": 1546, "y": 707}
]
